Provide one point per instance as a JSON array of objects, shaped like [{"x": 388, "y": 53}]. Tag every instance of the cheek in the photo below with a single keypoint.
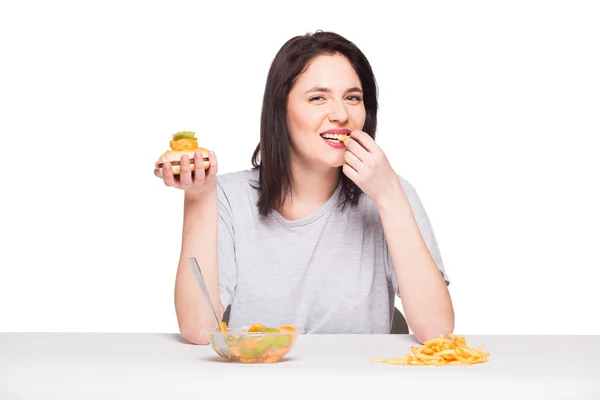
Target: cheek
[
  {"x": 299, "y": 127},
  {"x": 307, "y": 120},
  {"x": 359, "y": 116}
]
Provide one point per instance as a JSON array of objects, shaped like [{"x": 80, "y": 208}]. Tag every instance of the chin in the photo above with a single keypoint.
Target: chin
[
  {"x": 325, "y": 159},
  {"x": 335, "y": 163}
]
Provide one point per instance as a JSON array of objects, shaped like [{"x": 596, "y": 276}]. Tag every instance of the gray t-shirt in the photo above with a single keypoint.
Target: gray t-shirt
[{"x": 329, "y": 272}]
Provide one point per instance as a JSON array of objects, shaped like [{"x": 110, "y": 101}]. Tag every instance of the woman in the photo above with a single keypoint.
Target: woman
[{"x": 320, "y": 234}]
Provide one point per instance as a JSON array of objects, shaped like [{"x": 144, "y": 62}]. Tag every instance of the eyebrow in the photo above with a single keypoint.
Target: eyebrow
[{"x": 327, "y": 90}]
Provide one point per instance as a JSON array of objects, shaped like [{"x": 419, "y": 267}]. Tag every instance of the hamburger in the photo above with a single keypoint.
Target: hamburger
[{"x": 182, "y": 143}]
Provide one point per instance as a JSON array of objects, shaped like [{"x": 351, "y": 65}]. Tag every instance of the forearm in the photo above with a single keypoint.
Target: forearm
[
  {"x": 423, "y": 292},
  {"x": 199, "y": 239}
]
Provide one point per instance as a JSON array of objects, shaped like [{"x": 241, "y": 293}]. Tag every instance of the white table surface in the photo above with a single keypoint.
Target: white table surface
[{"x": 164, "y": 366}]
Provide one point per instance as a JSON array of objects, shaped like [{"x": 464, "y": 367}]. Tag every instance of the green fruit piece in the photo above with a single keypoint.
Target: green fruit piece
[
  {"x": 271, "y": 330},
  {"x": 184, "y": 135},
  {"x": 281, "y": 341},
  {"x": 264, "y": 343},
  {"x": 249, "y": 353}
]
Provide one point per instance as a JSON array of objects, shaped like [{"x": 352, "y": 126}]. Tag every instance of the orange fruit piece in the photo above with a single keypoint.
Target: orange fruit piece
[
  {"x": 223, "y": 326},
  {"x": 184, "y": 144},
  {"x": 287, "y": 328},
  {"x": 256, "y": 328}
]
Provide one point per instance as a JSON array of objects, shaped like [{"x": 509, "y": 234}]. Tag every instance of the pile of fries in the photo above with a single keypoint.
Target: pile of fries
[{"x": 441, "y": 351}]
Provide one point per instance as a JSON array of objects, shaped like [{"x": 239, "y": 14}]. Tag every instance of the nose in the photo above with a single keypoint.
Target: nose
[{"x": 338, "y": 113}]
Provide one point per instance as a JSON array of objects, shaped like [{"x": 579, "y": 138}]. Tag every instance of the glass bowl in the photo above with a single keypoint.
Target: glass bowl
[{"x": 254, "y": 345}]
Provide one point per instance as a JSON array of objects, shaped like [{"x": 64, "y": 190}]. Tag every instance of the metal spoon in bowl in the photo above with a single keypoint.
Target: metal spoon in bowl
[{"x": 220, "y": 344}]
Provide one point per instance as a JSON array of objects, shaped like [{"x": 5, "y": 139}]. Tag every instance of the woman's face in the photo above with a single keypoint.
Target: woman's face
[{"x": 325, "y": 100}]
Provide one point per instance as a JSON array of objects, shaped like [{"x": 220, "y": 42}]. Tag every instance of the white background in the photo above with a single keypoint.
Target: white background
[{"x": 490, "y": 109}]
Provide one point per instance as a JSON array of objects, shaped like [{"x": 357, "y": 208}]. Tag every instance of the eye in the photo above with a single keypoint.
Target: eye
[
  {"x": 354, "y": 97},
  {"x": 317, "y": 98}
]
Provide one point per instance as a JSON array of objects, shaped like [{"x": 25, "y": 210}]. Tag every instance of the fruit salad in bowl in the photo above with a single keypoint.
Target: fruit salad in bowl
[{"x": 256, "y": 343}]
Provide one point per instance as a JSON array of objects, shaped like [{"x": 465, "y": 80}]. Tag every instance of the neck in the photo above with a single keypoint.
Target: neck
[{"x": 311, "y": 188}]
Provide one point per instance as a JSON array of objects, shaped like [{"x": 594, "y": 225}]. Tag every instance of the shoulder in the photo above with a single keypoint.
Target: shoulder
[
  {"x": 237, "y": 180},
  {"x": 413, "y": 197},
  {"x": 416, "y": 204},
  {"x": 368, "y": 208},
  {"x": 237, "y": 187},
  {"x": 408, "y": 188}
]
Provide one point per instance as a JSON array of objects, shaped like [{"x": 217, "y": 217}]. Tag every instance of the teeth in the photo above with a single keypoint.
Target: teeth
[{"x": 334, "y": 136}]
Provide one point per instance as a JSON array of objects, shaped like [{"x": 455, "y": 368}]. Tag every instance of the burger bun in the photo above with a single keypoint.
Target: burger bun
[{"x": 174, "y": 157}]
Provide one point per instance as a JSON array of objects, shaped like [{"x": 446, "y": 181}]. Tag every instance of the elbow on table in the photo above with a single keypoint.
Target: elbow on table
[
  {"x": 426, "y": 333},
  {"x": 194, "y": 337}
]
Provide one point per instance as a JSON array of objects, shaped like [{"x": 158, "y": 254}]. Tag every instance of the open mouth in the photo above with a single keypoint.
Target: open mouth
[{"x": 335, "y": 137}]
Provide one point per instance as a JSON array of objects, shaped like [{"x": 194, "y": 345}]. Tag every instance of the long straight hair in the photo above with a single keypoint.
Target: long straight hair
[{"x": 273, "y": 154}]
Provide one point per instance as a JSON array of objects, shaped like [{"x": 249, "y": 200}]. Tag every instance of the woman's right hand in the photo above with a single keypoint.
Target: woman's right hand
[{"x": 196, "y": 184}]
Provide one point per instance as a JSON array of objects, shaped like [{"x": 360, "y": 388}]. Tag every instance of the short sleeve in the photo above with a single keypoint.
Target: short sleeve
[
  {"x": 226, "y": 249},
  {"x": 426, "y": 232}
]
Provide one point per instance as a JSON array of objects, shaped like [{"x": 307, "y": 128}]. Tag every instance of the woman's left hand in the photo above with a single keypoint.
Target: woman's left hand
[{"x": 367, "y": 166}]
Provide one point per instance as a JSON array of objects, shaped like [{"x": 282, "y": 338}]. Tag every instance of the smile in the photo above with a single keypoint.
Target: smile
[
  {"x": 335, "y": 142},
  {"x": 337, "y": 135}
]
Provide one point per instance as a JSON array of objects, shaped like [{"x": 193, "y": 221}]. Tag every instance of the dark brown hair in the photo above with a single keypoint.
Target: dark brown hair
[{"x": 272, "y": 155}]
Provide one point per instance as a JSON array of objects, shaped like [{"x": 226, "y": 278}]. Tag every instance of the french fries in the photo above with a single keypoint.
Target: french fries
[{"x": 440, "y": 351}]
